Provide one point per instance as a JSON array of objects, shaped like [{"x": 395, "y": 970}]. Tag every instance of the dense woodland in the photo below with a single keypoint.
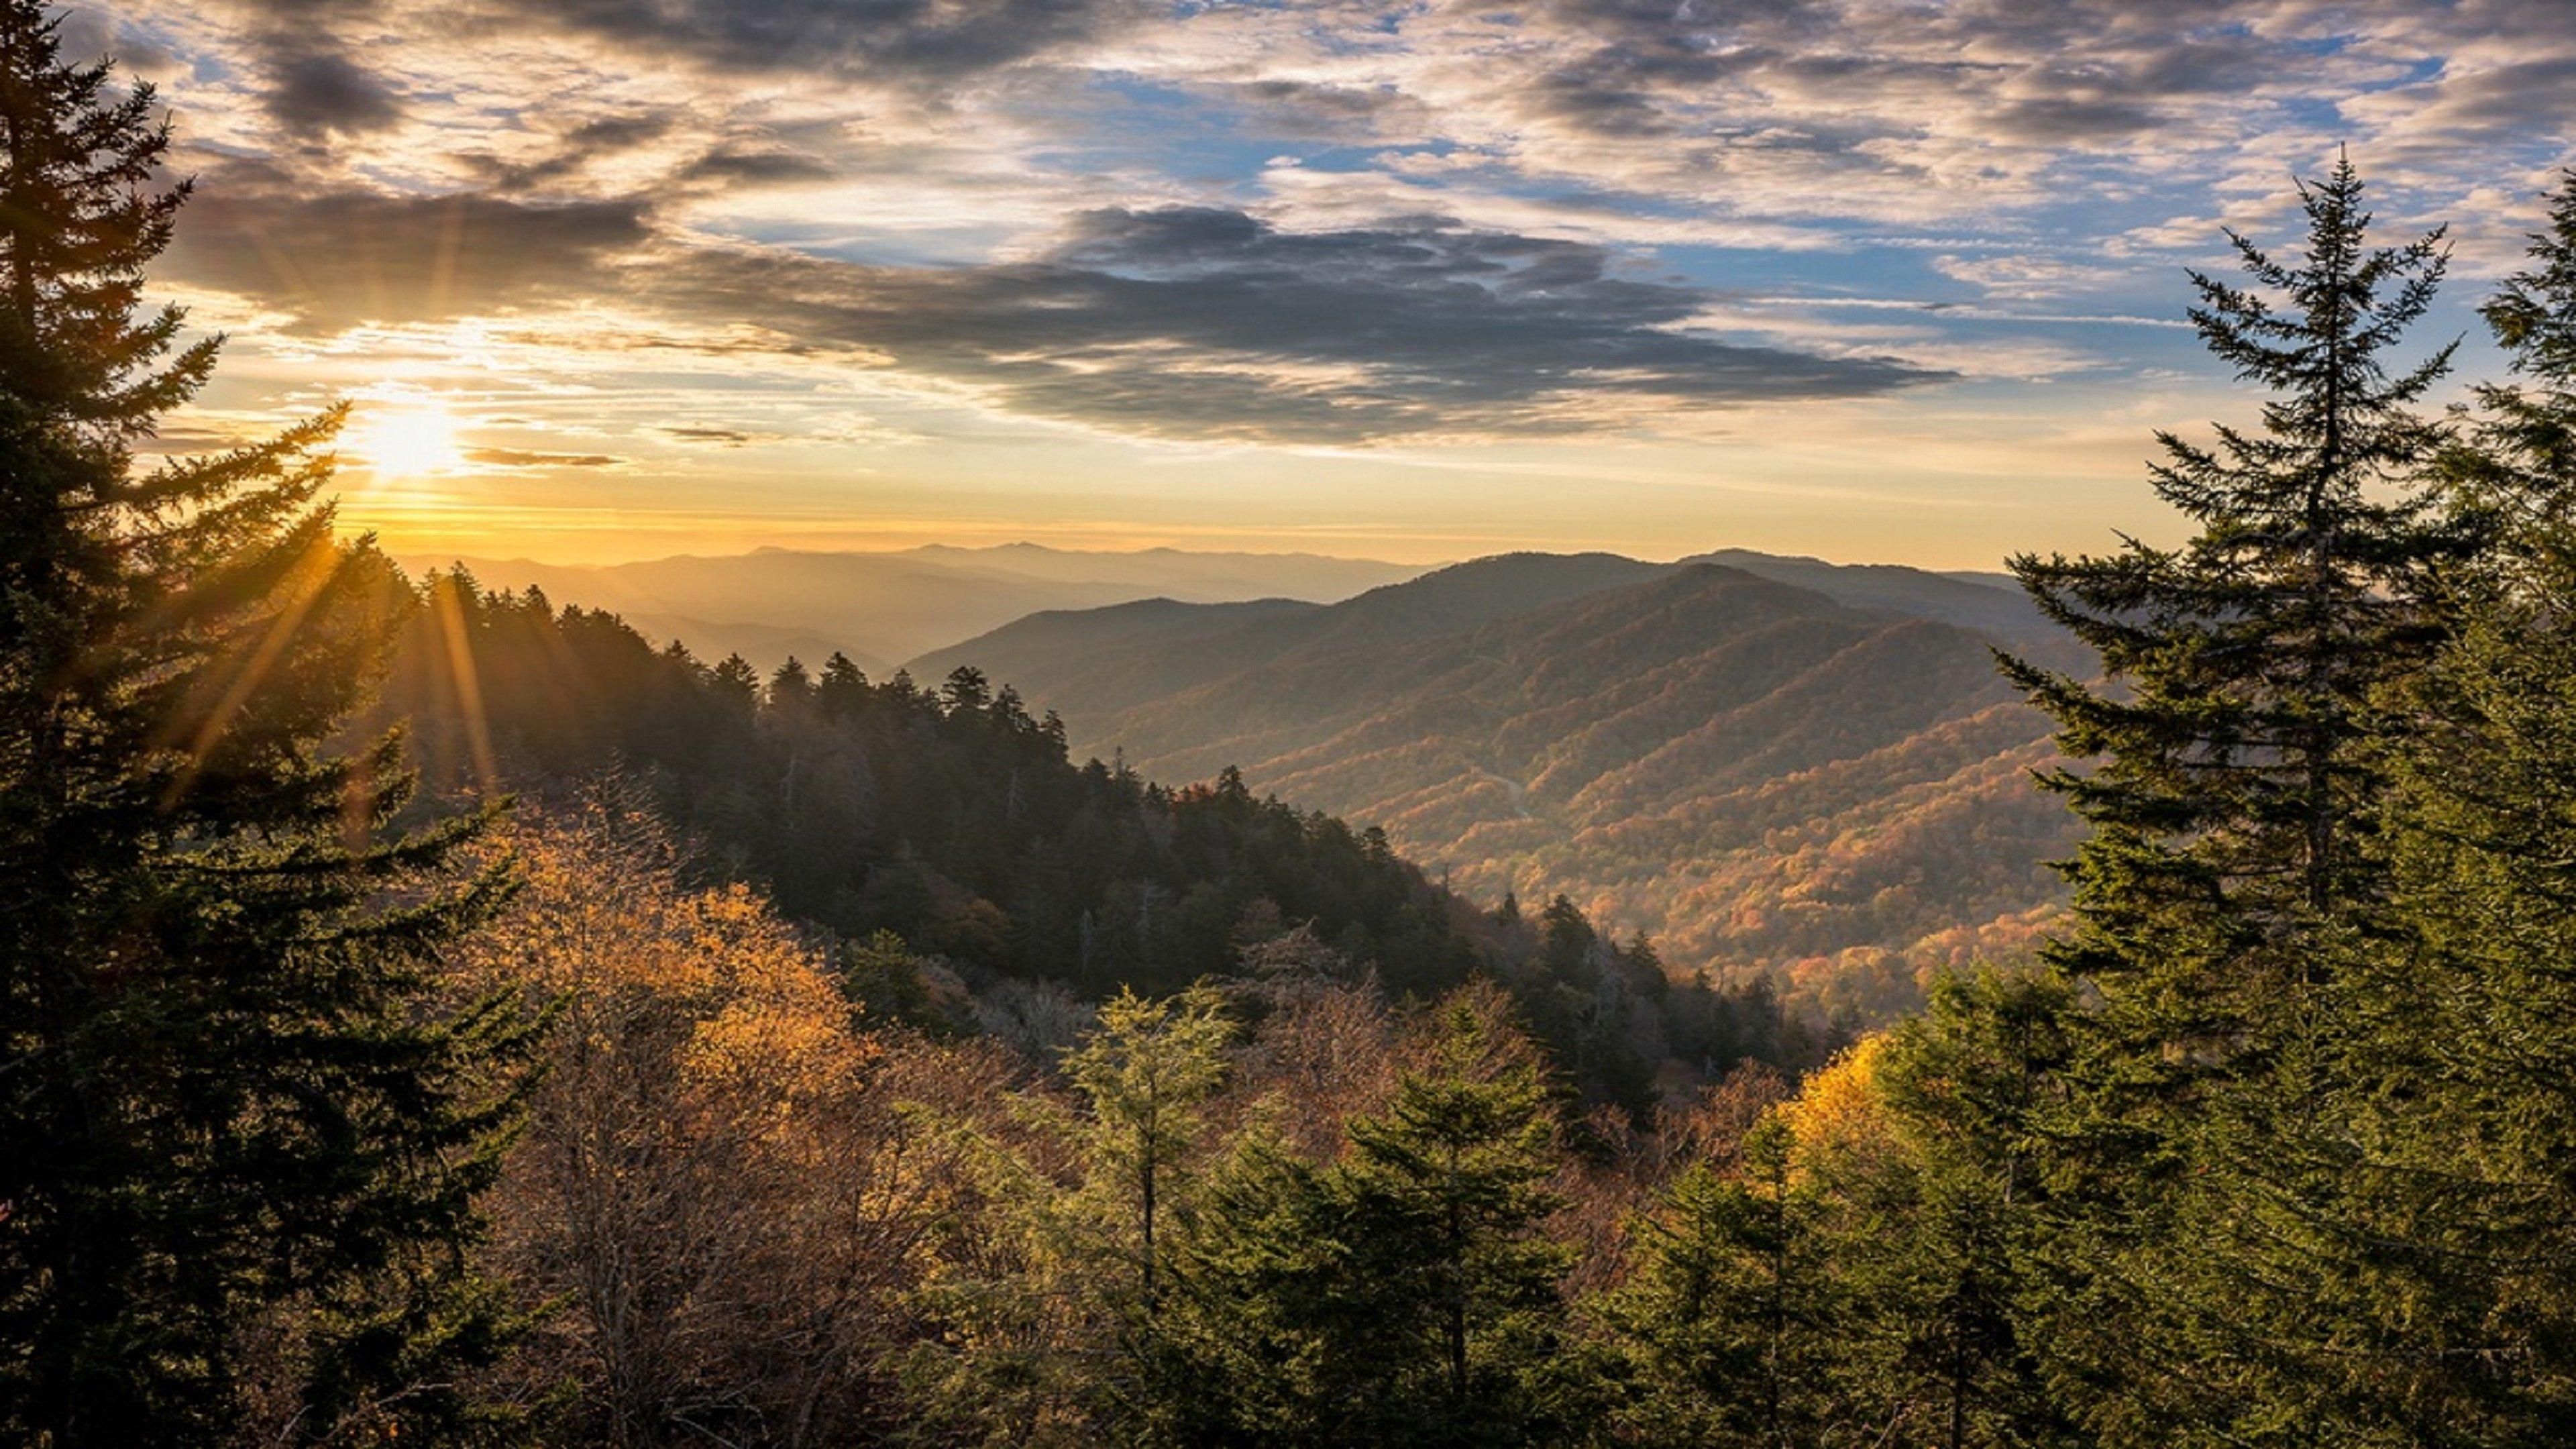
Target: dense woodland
[{"x": 814, "y": 1061}]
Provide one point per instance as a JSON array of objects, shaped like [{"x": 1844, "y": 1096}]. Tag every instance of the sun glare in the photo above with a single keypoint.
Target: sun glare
[{"x": 408, "y": 441}]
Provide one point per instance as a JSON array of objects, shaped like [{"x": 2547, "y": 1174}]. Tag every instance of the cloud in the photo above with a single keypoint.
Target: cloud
[
  {"x": 878, "y": 40},
  {"x": 1325, "y": 222},
  {"x": 524, "y": 458},
  {"x": 1209, "y": 323},
  {"x": 708, "y": 434},
  {"x": 738, "y": 163},
  {"x": 1177, "y": 322},
  {"x": 575, "y": 151},
  {"x": 2022, "y": 278},
  {"x": 337, "y": 256},
  {"x": 1877, "y": 110},
  {"x": 325, "y": 91},
  {"x": 1741, "y": 112},
  {"x": 904, "y": 40}
]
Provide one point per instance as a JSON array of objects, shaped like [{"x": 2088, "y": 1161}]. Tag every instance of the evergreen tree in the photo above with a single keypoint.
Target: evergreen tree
[
  {"x": 2520, "y": 469},
  {"x": 1938, "y": 1246},
  {"x": 2230, "y": 811},
  {"x": 1235, "y": 1359},
  {"x": 792, "y": 691},
  {"x": 2231, "y": 776},
  {"x": 1406, "y": 1295},
  {"x": 1726, "y": 1325},
  {"x": 2454, "y": 1209},
  {"x": 1144, "y": 1072},
  {"x": 1442, "y": 1197},
  {"x": 842, "y": 691},
  {"x": 736, "y": 684},
  {"x": 2462, "y": 1195},
  {"x": 1566, "y": 941},
  {"x": 228, "y": 1117}
]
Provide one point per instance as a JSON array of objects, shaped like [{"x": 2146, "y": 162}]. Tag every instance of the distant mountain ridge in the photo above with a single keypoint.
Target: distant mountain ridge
[
  {"x": 891, "y": 605},
  {"x": 1989, "y": 602},
  {"x": 1775, "y": 765}
]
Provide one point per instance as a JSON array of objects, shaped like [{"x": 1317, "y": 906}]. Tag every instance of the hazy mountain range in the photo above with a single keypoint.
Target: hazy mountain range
[
  {"x": 1767, "y": 763},
  {"x": 885, "y": 606}
]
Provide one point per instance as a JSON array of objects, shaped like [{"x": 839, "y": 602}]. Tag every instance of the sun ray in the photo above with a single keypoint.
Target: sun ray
[
  {"x": 311, "y": 577},
  {"x": 445, "y": 599}
]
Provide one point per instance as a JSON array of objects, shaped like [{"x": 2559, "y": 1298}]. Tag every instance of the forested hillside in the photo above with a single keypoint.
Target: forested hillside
[
  {"x": 954, "y": 821},
  {"x": 1989, "y": 603},
  {"x": 1765, "y": 779}
]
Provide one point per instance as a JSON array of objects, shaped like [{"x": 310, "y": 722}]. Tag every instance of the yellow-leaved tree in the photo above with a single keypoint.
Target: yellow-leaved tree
[{"x": 719, "y": 1184}]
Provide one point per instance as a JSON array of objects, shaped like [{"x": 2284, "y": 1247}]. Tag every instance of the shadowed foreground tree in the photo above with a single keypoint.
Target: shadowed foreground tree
[
  {"x": 2231, "y": 805},
  {"x": 237, "y": 1160},
  {"x": 1725, "y": 1324},
  {"x": 2461, "y": 1316},
  {"x": 2286, "y": 1143}
]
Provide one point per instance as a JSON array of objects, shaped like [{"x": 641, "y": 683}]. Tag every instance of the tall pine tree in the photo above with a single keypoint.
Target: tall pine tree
[
  {"x": 1935, "y": 1244},
  {"x": 2230, "y": 775},
  {"x": 2520, "y": 467},
  {"x": 1145, "y": 1073},
  {"x": 228, "y": 1123},
  {"x": 1726, "y": 1326},
  {"x": 2231, "y": 800}
]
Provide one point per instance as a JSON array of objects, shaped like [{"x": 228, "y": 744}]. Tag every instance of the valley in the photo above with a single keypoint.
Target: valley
[
  {"x": 1762, "y": 776},
  {"x": 1772, "y": 767}
]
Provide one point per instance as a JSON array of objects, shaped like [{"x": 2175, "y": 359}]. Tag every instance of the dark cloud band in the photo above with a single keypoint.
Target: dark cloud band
[
  {"x": 1187, "y": 322},
  {"x": 339, "y": 256}
]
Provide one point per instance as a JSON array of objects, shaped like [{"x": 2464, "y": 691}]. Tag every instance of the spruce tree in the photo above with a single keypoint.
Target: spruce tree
[
  {"x": 1454, "y": 1322},
  {"x": 230, "y": 1124},
  {"x": 1725, "y": 1329},
  {"x": 1408, "y": 1294},
  {"x": 2465, "y": 1185},
  {"x": 2520, "y": 467},
  {"x": 1937, "y": 1242},
  {"x": 1145, "y": 1072},
  {"x": 2230, "y": 778},
  {"x": 2231, "y": 798},
  {"x": 1235, "y": 1358}
]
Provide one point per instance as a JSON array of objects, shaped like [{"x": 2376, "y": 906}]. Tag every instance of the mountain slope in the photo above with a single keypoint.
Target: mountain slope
[
  {"x": 954, "y": 819},
  {"x": 1098, "y": 662},
  {"x": 1179, "y": 573},
  {"x": 1762, "y": 776}
]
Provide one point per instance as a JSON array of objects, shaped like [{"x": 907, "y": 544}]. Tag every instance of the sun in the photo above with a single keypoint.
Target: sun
[{"x": 408, "y": 441}]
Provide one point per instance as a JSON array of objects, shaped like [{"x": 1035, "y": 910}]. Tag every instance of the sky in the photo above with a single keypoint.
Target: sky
[{"x": 1873, "y": 280}]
